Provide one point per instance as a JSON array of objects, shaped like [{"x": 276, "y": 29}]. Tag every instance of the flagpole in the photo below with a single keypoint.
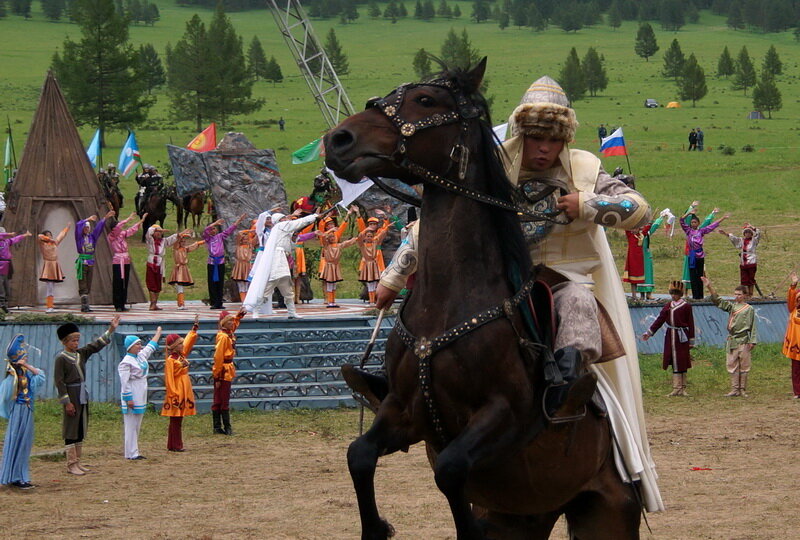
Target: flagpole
[
  {"x": 13, "y": 151},
  {"x": 100, "y": 149},
  {"x": 630, "y": 171}
]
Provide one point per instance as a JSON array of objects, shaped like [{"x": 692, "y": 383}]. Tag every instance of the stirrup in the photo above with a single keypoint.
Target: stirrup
[{"x": 560, "y": 419}]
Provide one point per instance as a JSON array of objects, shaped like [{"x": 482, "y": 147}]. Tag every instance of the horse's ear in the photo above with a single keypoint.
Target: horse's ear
[{"x": 475, "y": 75}]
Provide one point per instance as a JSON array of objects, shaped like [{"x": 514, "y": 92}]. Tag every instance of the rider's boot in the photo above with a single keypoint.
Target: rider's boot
[
  {"x": 373, "y": 386},
  {"x": 568, "y": 400}
]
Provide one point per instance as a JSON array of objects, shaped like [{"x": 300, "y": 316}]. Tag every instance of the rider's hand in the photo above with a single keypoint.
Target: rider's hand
[
  {"x": 570, "y": 204},
  {"x": 384, "y": 297}
]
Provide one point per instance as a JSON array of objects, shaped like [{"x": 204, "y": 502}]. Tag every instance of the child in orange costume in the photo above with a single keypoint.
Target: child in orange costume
[
  {"x": 179, "y": 400},
  {"x": 330, "y": 272},
  {"x": 369, "y": 242},
  {"x": 245, "y": 245},
  {"x": 51, "y": 270},
  {"x": 224, "y": 370},
  {"x": 181, "y": 277},
  {"x": 791, "y": 343}
]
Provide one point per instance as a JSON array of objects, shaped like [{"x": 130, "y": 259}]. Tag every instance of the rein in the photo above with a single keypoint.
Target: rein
[{"x": 466, "y": 111}]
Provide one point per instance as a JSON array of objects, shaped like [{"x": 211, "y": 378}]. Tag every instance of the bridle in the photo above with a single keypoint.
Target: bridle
[{"x": 465, "y": 112}]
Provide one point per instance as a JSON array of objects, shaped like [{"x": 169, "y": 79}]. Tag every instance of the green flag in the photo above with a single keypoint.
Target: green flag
[
  {"x": 308, "y": 153},
  {"x": 7, "y": 166}
]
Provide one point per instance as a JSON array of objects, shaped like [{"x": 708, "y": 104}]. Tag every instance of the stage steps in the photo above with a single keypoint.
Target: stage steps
[{"x": 280, "y": 363}]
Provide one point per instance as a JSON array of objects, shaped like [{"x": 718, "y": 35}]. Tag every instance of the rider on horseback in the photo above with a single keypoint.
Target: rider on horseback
[
  {"x": 590, "y": 308},
  {"x": 149, "y": 182}
]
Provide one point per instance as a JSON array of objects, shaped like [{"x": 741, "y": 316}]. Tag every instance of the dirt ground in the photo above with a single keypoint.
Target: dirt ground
[{"x": 295, "y": 484}]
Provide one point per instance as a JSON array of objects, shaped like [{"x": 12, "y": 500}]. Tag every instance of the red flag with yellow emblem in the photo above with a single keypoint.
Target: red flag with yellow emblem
[{"x": 205, "y": 141}]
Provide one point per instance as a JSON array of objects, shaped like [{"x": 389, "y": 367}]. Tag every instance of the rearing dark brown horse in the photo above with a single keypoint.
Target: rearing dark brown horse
[{"x": 471, "y": 394}]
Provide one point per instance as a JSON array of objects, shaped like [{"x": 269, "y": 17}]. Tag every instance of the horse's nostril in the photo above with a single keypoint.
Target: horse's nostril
[{"x": 341, "y": 139}]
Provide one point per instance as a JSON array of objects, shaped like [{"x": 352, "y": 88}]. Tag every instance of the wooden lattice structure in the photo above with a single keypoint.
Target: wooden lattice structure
[{"x": 55, "y": 184}]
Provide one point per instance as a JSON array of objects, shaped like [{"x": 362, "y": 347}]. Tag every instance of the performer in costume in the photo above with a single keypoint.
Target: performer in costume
[
  {"x": 369, "y": 242},
  {"x": 327, "y": 224},
  {"x": 245, "y": 242},
  {"x": 537, "y": 156},
  {"x": 646, "y": 288},
  {"x": 791, "y": 342},
  {"x": 85, "y": 242},
  {"x": 331, "y": 272},
  {"x": 133, "y": 371},
  {"x": 156, "y": 249},
  {"x": 179, "y": 400},
  {"x": 6, "y": 268},
  {"x": 70, "y": 381},
  {"x": 215, "y": 243},
  {"x": 678, "y": 338},
  {"x": 121, "y": 259},
  {"x": 302, "y": 285},
  {"x": 695, "y": 237},
  {"x": 181, "y": 276},
  {"x": 748, "y": 261},
  {"x": 17, "y": 396},
  {"x": 691, "y": 212},
  {"x": 263, "y": 227},
  {"x": 51, "y": 269},
  {"x": 742, "y": 336},
  {"x": 634, "y": 260},
  {"x": 273, "y": 270},
  {"x": 224, "y": 370}
]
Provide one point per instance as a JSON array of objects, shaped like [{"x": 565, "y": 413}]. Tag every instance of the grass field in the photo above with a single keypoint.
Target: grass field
[{"x": 759, "y": 187}]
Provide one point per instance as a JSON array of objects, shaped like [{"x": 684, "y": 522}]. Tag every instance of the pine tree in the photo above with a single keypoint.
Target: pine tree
[
  {"x": 536, "y": 20},
  {"x": 766, "y": 96},
  {"x": 772, "y": 63},
  {"x": 519, "y": 13},
  {"x": 570, "y": 17},
  {"x": 735, "y": 19},
  {"x": 418, "y": 14},
  {"x": 646, "y": 45},
  {"x": 334, "y": 51},
  {"x": 745, "y": 75},
  {"x": 53, "y": 9},
  {"x": 391, "y": 12},
  {"x": 456, "y": 12},
  {"x": 504, "y": 20},
  {"x": 457, "y": 51},
  {"x": 591, "y": 13},
  {"x": 443, "y": 10},
  {"x": 273, "y": 71},
  {"x": 152, "y": 70},
  {"x": 100, "y": 73},
  {"x": 674, "y": 60},
  {"x": 428, "y": 11},
  {"x": 480, "y": 11},
  {"x": 150, "y": 14},
  {"x": 692, "y": 82},
  {"x": 349, "y": 11},
  {"x": 614, "y": 15},
  {"x": 422, "y": 65},
  {"x": 256, "y": 60},
  {"x": 3, "y": 9},
  {"x": 594, "y": 72},
  {"x": 401, "y": 10},
  {"x": 189, "y": 90},
  {"x": 671, "y": 15},
  {"x": 373, "y": 10},
  {"x": 725, "y": 65},
  {"x": 571, "y": 78}
]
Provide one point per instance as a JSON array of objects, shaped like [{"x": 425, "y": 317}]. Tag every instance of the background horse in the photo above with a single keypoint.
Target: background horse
[
  {"x": 459, "y": 379},
  {"x": 193, "y": 206},
  {"x": 155, "y": 206},
  {"x": 171, "y": 193}
]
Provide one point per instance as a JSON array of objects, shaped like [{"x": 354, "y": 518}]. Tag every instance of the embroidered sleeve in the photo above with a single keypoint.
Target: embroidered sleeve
[
  {"x": 613, "y": 204},
  {"x": 403, "y": 264}
]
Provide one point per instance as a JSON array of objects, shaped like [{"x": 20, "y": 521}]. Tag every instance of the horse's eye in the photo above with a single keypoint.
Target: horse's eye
[{"x": 426, "y": 101}]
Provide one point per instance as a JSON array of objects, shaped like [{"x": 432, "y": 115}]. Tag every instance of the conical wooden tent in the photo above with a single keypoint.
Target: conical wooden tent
[{"x": 55, "y": 185}]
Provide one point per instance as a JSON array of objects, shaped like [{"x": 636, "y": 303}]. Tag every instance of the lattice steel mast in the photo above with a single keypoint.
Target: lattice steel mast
[{"x": 314, "y": 64}]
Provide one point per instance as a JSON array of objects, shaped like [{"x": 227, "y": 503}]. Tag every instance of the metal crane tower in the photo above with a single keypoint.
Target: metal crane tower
[{"x": 314, "y": 64}]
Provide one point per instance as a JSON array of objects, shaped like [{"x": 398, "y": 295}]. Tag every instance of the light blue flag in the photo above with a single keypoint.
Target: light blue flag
[
  {"x": 94, "y": 149},
  {"x": 129, "y": 156}
]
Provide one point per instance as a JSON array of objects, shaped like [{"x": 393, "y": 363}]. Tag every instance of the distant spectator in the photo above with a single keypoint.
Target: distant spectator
[
  {"x": 281, "y": 123},
  {"x": 602, "y": 132},
  {"x": 700, "y": 137},
  {"x": 692, "y": 140}
]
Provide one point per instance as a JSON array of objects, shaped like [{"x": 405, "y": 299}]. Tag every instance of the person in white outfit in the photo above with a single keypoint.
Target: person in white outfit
[
  {"x": 133, "y": 370},
  {"x": 271, "y": 269}
]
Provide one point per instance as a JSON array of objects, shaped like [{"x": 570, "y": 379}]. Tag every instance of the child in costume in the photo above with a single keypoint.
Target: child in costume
[
  {"x": 224, "y": 370},
  {"x": 51, "y": 269},
  {"x": 742, "y": 336},
  {"x": 156, "y": 264},
  {"x": 133, "y": 370},
  {"x": 181, "y": 276},
  {"x": 695, "y": 237},
  {"x": 370, "y": 268},
  {"x": 121, "y": 259},
  {"x": 678, "y": 338},
  {"x": 179, "y": 400},
  {"x": 17, "y": 395},
  {"x": 245, "y": 244},
  {"x": 791, "y": 342},
  {"x": 748, "y": 263},
  {"x": 70, "y": 380},
  {"x": 6, "y": 269},
  {"x": 331, "y": 272}
]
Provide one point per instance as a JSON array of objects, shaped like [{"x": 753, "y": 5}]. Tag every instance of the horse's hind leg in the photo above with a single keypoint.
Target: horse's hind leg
[
  {"x": 389, "y": 433},
  {"x": 610, "y": 512},
  {"x": 513, "y": 527}
]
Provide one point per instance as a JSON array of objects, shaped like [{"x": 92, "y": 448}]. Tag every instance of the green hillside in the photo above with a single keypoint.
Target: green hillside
[{"x": 758, "y": 186}]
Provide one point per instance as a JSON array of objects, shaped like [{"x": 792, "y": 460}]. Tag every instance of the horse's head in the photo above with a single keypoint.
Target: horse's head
[{"x": 424, "y": 124}]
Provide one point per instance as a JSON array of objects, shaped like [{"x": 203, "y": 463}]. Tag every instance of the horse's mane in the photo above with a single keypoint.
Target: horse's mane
[{"x": 512, "y": 242}]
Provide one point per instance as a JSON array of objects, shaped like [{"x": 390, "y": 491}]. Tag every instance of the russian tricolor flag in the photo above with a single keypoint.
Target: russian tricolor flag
[{"x": 614, "y": 144}]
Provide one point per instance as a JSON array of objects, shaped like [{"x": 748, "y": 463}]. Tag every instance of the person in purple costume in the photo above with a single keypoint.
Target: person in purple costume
[
  {"x": 215, "y": 243},
  {"x": 697, "y": 256},
  {"x": 6, "y": 268},
  {"x": 85, "y": 241}
]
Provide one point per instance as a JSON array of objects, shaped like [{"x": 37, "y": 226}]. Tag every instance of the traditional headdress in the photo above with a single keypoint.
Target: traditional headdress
[
  {"x": 544, "y": 111},
  {"x": 224, "y": 317},
  {"x": 130, "y": 341},
  {"x": 748, "y": 228},
  {"x": 676, "y": 287},
  {"x": 303, "y": 203},
  {"x": 277, "y": 216},
  {"x": 66, "y": 330},
  {"x": 17, "y": 349},
  {"x": 172, "y": 338},
  {"x": 373, "y": 220}
]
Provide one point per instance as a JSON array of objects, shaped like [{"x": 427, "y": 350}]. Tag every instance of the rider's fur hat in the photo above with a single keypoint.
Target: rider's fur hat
[{"x": 544, "y": 111}]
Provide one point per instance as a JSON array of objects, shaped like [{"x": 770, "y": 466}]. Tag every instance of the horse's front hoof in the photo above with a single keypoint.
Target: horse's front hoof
[{"x": 384, "y": 530}]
